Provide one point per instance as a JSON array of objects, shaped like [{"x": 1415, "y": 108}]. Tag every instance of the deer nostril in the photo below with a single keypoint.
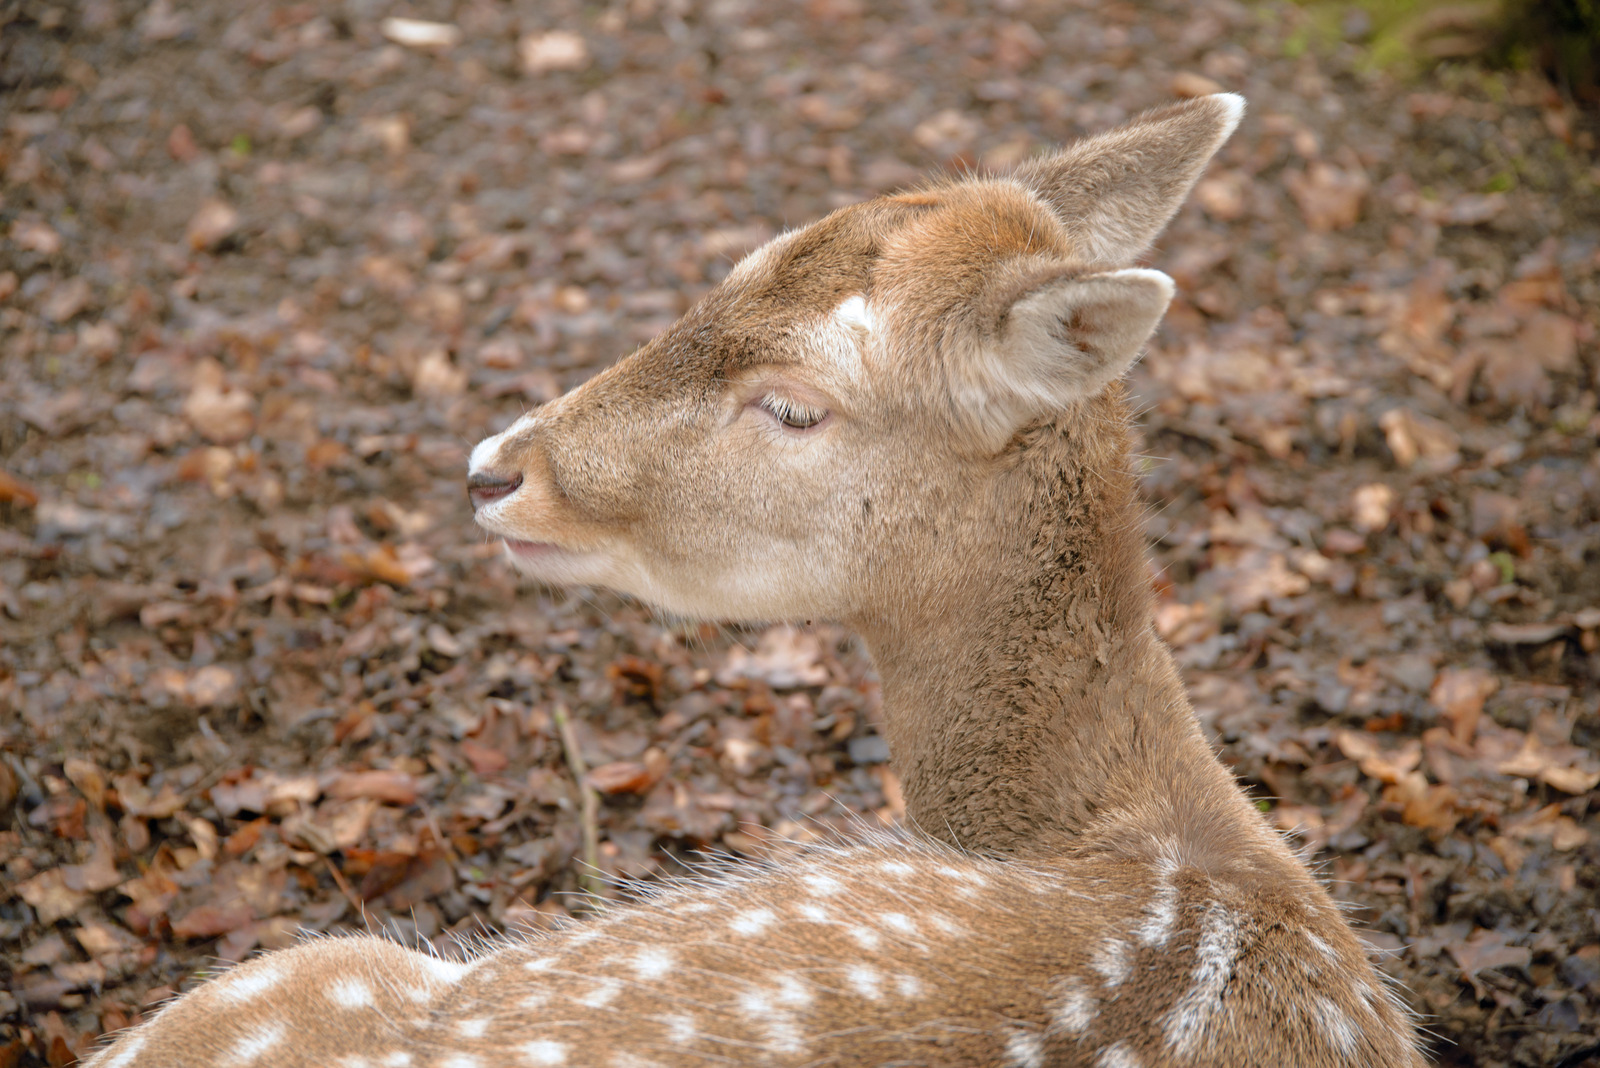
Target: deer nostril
[{"x": 486, "y": 487}]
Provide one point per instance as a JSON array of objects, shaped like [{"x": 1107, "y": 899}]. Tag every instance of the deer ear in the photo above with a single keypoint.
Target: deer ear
[
  {"x": 1116, "y": 191},
  {"x": 1055, "y": 340}
]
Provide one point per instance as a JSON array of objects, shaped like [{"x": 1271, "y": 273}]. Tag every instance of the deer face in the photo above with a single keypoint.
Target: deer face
[{"x": 850, "y": 388}]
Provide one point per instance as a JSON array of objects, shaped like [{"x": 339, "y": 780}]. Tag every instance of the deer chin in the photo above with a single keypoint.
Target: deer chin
[{"x": 557, "y": 565}]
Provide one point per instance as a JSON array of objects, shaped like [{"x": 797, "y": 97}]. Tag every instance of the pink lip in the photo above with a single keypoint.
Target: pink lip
[{"x": 531, "y": 549}]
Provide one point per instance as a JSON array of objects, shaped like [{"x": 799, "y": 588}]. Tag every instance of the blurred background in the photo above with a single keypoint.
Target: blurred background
[{"x": 267, "y": 271}]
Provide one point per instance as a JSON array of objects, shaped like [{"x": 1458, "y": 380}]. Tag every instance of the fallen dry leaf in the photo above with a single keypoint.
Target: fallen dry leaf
[
  {"x": 784, "y": 657},
  {"x": 420, "y": 33},
  {"x": 1486, "y": 950},
  {"x": 555, "y": 50},
  {"x": 1387, "y": 766},
  {"x": 212, "y": 224},
  {"x": 1372, "y": 507},
  {"x": 1329, "y": 198},
  {"x": 1459, "y": 694},
  {"x": 13, "y": 489},
  {"x": 390, "y": 787},
  {"x": 52, "y": 899}
]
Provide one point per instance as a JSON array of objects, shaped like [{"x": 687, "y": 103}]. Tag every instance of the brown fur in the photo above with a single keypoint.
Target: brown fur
[{"x": 1089, "y": 886}]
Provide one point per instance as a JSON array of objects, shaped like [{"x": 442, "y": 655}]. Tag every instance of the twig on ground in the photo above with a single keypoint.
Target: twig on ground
[
  {"x": 343, "y": 885},
  {"x": 589, "y": 878}
]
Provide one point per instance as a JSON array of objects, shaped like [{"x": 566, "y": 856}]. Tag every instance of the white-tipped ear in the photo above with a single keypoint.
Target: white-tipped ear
[
  {"x": 1061, "y": 342},
  {"x": 1115, "y": 191}
]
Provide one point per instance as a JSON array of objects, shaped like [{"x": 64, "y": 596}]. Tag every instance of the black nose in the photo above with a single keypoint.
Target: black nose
[{"x": 486, "y": 487}]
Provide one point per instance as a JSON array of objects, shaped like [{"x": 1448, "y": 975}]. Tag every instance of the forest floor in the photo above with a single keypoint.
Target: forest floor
[{"x": 267, "y": 272}]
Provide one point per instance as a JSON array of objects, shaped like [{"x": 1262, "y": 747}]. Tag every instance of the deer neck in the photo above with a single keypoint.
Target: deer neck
[{"x": 1028, "y": 704}]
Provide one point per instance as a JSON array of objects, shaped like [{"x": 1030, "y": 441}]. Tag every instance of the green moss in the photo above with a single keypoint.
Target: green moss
[
  {"x": 1560, "y": 37},
  {"x": 1500, "y": 183},
  {"x": 1507, "y": 566}
]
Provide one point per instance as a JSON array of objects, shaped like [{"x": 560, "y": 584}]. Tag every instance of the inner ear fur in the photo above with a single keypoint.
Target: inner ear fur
[
  {"x": 1050, "y": 337},
  {"x": 1115, "y": 192}
]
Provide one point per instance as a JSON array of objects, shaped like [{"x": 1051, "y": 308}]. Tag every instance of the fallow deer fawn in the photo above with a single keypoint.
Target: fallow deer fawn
[{"x": 906, "y": 417}]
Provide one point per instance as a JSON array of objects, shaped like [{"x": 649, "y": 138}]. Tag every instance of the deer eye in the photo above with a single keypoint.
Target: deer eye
[{"x": 791, "y": 414}]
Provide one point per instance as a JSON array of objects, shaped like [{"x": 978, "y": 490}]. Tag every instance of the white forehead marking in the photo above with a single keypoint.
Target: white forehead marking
[{"x": 855, "y": 314}]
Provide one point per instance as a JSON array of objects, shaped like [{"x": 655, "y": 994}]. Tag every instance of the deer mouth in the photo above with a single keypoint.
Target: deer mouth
[{"x": 532, "y": 550}]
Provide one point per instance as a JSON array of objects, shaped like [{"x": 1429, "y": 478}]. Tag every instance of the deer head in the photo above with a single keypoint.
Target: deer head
[{"x": 848, "y": 398}]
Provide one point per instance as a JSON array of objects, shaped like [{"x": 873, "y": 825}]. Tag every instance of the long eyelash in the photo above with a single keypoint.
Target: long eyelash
[{"x": 790, "y": 413}]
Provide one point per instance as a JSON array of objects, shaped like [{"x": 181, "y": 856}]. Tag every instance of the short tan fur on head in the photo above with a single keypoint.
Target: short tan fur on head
[{"x": 924, "y": 330}]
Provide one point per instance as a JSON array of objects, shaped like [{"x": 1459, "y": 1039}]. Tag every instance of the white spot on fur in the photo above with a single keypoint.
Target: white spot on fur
[
  {"x": 604, "y": 992},
  {"x": 867, "y": 982},
  {"x": 755, "y": 1003},
  {"x": 584, "y": 935},
  {"x": 249, "y": 985},
  {"x": 540, "y": 964},
  {"x": 350, "y": 994},
  {"x": 898, "y": 868},
  {"x": 681, "y": 1029},
  {"x": 865, "y": 937},
  {"x": 536, "y": 1000},
  {"x": 945, "y": 924},
  {"x": 1117, "y": 1055},
  {"x": 793, "y": 992},
  {"x": 964, "y": 875},
  {"x": 822, "y": 885},
  {"x": 1025, "y": 1049},
  {"x": 250, "y": 1049},
  {"x": 421, "y": 995},
  {"x": 1073, "y": 1008},
  {"x": 545, "y": 1053},
  {"x": 815, "y": 913},
  {"x": 1320, "y": 945},
  {"x": 753, "y": 922},
  {"x": 126, "y": 1051},
  {"x": 899, "y": 921},
  {"x": 653, "y": 963},
  {"x": 473, "y": 1028},
  {"x": 1337, "y": 1026},
  {"x": 1110, "y": 959},
  {"x": 782, "y": 1033},
  {"x": 460, "y": 1060},
  {"x": 398, "y": 1059},
  {"x": 446, "y": 971},
  {"x": 1214, "y": 955},
  {"x": 909, "y": 986},
  {"x": 1161, "y": 913}
]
